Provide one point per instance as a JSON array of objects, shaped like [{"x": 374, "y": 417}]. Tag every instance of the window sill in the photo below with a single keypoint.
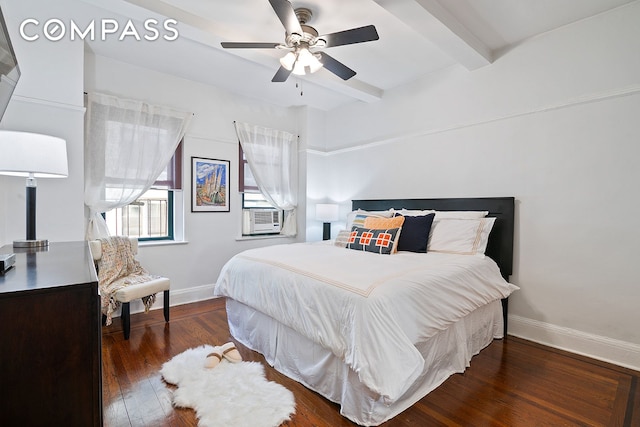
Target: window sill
[
  {"x": 264, "y": 237},
  {"x": 162, "y": 242}
]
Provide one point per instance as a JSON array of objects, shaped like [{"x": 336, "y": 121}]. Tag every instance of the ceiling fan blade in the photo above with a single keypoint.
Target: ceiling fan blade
[
  {"x": 281, "y": 75},
  {"x": 336, "y": 67},
  {"x": 354, "y": 35},
  {"x": 287, "y": 16},
  {"x": 249, "y": 45}
]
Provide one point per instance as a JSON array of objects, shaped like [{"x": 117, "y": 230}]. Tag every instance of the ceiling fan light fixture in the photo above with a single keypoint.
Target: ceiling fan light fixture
[
  {"x": 305, "y": 63},
  {"x": 288, "y": 60}
]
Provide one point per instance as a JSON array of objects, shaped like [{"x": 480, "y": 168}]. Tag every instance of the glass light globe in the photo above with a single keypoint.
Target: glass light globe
[
  {"x": 288, "y": 60},
  {"x": 307, "y": 62}
]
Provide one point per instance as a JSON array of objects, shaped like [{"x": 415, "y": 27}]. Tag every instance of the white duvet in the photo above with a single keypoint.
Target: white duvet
[{"x": 368, "y": 309}]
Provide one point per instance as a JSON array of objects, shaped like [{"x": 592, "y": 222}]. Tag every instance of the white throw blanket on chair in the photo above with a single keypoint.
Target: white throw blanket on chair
[{"x": 118, "y": 268}]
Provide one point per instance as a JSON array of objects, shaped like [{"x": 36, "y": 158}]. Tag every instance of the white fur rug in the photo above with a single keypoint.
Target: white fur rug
[{"x": 231, "y": 394}]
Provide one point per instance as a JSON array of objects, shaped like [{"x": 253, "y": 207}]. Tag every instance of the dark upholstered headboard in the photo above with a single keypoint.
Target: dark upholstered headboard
[{"x": 500, "y": 246}]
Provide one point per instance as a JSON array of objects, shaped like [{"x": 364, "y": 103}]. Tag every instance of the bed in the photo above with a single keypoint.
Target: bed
[{"x": 376, "y": 333}]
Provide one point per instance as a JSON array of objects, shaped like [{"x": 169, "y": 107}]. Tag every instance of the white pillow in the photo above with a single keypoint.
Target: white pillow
[
  {"x": 381, "y": 214},
  {"x": 460, "y": 214},
  {"x": 415, "y": 212},
  {"x": 342, "y": 238},
  {"x": 460, "y": 236},
  {"x": 445, "y": 214}
]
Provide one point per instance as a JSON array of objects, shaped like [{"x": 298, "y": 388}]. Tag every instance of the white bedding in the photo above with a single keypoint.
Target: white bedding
[
  {"x": 370, "y": 310},
  {"x": 447, "y": 352}
]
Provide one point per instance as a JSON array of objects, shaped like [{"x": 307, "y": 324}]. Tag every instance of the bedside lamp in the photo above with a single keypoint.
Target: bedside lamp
[
  {"x": 33, "y": 156},
  {"x": 327, "y": 213}
]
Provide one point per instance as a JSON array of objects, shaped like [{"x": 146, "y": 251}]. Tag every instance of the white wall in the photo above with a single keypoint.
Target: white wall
[
  {"x": 553, "y": 122},
  {"x": 48, "y": 100},
  {"x": 315, "y": 133},
  {"x": 212, "y": 237}
]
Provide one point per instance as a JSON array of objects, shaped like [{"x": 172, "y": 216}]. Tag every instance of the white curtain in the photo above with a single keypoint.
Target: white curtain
[
  {"x": 127, "y": 145},
  {"x": 272, "y": 156}
]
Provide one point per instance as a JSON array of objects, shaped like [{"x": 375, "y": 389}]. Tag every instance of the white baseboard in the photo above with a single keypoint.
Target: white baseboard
[
  {"x": 195, "y": 294},
  {"x": 609, "y": 350}
]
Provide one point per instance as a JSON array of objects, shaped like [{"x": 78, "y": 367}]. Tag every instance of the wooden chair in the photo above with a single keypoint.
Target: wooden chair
[{"x": 134, "y": 291}]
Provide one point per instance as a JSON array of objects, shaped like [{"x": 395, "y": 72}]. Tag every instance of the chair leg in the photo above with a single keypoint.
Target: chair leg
[
  {"x": 166, "y": 305},
  {"x": 126, "y": 320}
]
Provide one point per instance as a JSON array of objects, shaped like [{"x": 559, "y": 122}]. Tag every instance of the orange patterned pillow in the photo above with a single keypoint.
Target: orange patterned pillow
[{"x": 376, "y": 223}]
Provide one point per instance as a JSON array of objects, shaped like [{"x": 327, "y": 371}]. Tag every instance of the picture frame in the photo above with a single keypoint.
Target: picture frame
[{"x": 209, "y": 185}]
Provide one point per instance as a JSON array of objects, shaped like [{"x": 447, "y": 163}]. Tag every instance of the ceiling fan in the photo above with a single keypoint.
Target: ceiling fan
[{"x": 303, "y": 43}]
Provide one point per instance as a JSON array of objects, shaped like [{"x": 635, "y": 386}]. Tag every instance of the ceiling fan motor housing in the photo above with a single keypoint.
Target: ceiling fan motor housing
[
  {"x": 303, "y": 14},
  {"x": 309, "y": 34}
]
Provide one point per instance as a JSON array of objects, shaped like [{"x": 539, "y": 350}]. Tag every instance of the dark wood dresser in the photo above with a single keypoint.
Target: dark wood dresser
[{"x": 50, "y": 338}]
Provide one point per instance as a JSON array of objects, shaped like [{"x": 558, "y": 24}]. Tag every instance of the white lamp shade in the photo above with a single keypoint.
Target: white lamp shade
[
  {"x": 327, "y": 212},
  {"x": 24, "y": 153}
]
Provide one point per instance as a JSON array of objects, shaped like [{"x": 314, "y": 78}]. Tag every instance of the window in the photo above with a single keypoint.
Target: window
[
  {"x": 247, "y": 182},
  {"x": 252, "y": 198},
  {"x": 149, "y": 217},
  {"x": 255, "y": 200},
  {"x": 152, "y": 216}
]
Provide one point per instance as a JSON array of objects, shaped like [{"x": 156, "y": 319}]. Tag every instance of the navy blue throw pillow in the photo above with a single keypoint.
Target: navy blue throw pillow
[
  {"x": 415, "y": 233},
  {"x": 373, "y": 240}
]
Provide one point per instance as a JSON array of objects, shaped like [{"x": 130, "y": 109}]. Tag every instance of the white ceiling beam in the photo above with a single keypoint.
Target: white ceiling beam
[
  {"x": 439, "y": 26},
  {"x": 352, "y": 87}
]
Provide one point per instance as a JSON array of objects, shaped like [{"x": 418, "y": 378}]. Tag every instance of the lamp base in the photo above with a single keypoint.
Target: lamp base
[
  {"x": 326, "y": 231},
  {"x": 37, "y": 243}
]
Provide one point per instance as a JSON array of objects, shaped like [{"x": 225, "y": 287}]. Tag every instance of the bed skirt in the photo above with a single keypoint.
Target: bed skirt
[{"x": 317, "y": 368}]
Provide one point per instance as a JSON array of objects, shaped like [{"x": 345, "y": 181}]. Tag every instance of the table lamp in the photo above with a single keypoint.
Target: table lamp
[
  {"x": 33, "y": 156},
  {"x": 327, "y": 213}
]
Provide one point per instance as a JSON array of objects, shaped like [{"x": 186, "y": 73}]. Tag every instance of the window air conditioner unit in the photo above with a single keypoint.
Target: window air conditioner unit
[{"x": 262, "y": 221}]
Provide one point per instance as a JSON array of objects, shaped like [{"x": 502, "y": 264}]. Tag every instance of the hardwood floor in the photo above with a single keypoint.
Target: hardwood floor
[{"x": 512, "y": 382}]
